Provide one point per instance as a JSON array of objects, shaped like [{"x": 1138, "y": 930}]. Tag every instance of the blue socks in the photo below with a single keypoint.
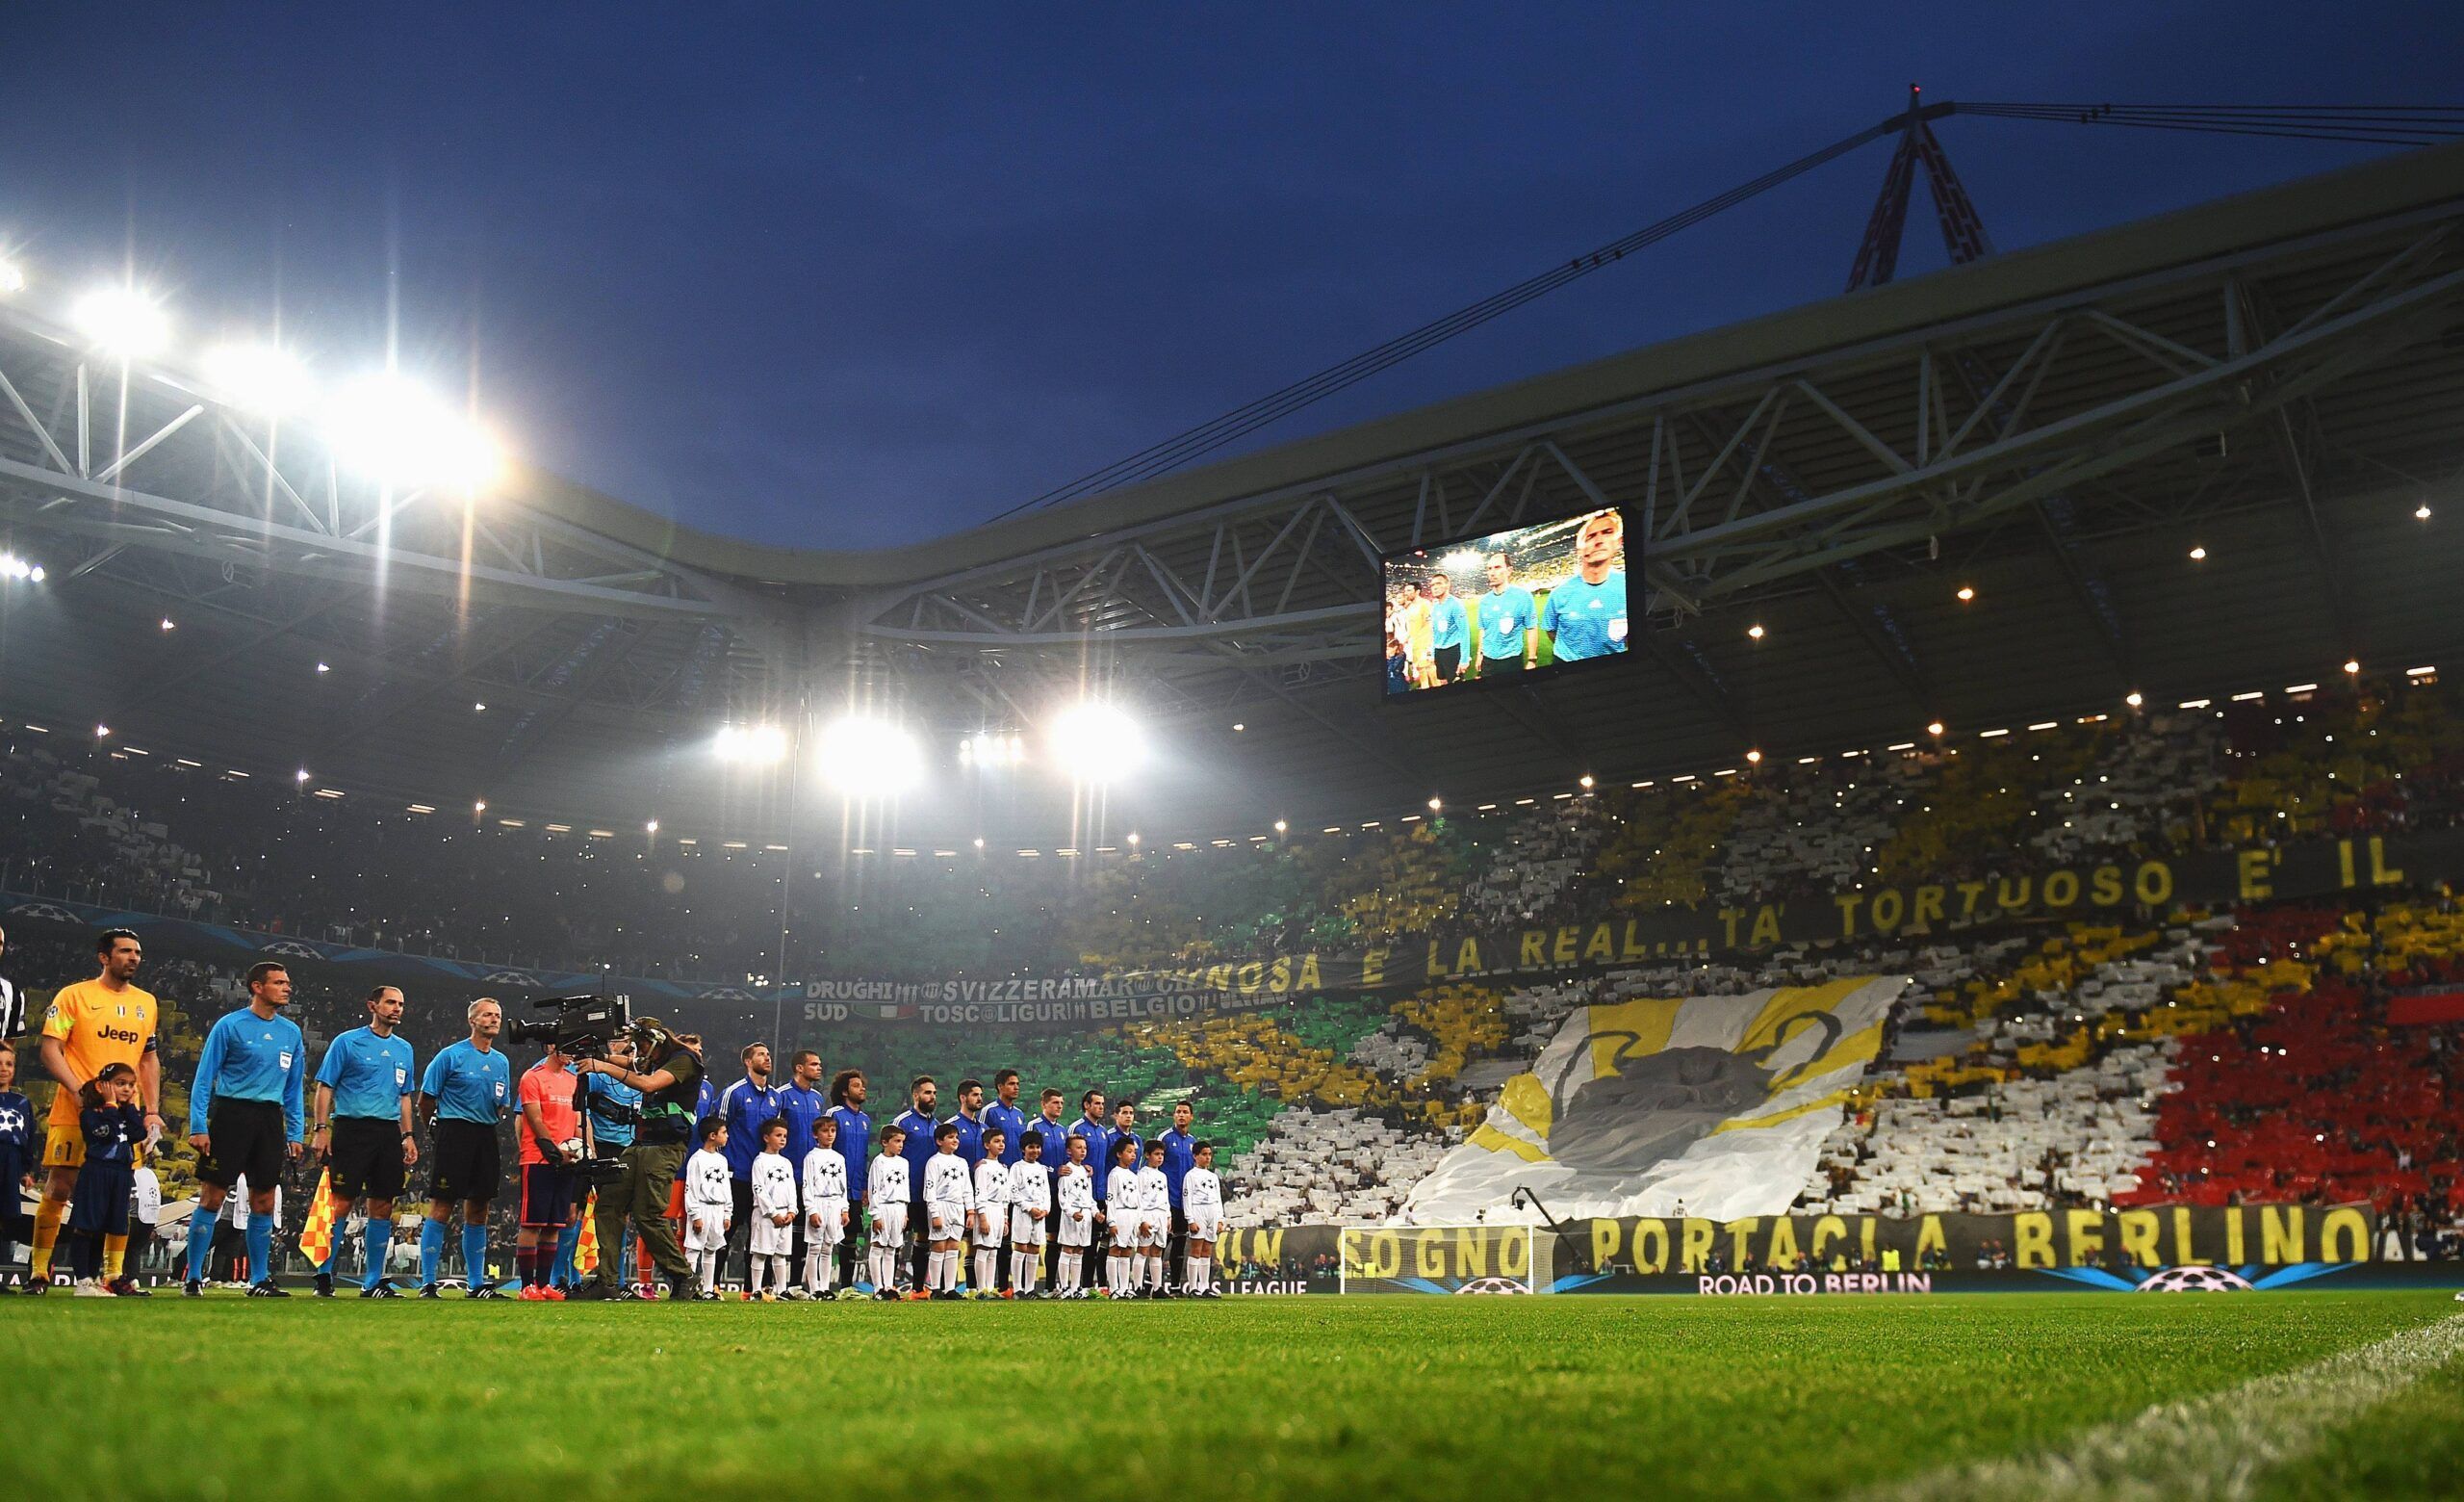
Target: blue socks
[
  {"x": 374, "y": 1240},
  {"x": 259, "y": 1248},
  {"x": 567, "y": 1243},
  {"x": 431, "y": 1251},
  {"x": 200, "y": 1240},
  {"x": 475, "y": 1255}
]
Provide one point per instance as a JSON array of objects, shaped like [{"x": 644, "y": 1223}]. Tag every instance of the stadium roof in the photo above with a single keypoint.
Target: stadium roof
[{"x": 2274, "y": 378}]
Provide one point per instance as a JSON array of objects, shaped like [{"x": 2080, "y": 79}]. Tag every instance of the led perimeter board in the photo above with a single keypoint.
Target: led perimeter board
[{"x": 1516, "y": 605}]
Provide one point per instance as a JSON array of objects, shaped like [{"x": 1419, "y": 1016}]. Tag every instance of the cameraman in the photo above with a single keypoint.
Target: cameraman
[
  {"x": 671, "y": 1090},
  {"x": 611, "y": 1110}
]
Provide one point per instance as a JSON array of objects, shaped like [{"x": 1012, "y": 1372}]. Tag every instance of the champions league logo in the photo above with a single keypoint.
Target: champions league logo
[
  {"x": 292, "y": 948},
  {"x": 2196, "y": 1280},
  {"x": 43, "y": 912}
]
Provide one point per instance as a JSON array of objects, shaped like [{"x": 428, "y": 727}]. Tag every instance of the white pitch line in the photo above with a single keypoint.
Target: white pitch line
[{"x": 2218, "y": 1446}]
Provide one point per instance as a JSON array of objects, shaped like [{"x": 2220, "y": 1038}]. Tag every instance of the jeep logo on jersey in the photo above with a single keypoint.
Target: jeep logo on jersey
[{"x": 120, "y": 1034}]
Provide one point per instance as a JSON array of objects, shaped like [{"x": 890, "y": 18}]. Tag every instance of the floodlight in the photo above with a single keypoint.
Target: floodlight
[
  {"x": 867, "y": 758},
  {"x": 1096, "y": 741},
  {"x": 391, "y": 428},
  {"x": 122, "y": 322},
  {"x": 12, "y": 566},
  {"x": 261, "y": 377},
  {"x": 12, "y": 278},
  {"x": 757, "y": 746}
]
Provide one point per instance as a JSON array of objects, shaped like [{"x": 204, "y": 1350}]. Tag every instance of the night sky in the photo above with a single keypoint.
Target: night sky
[{"x": 851, "y": 278}]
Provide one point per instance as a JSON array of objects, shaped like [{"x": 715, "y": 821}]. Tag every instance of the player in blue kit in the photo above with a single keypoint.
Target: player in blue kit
[
  {"x": 1004, "y": 1113},
  {"x": 467, "y": 1090},
  {"x": 248, "y": 1117},
  {"x": 363, "y": 1131},
  {"x": 855, "y": 1146},
  {"x": 1090, "y": 1125},
  {"x": 916, "y": 1147},
  {"x": 1585, "y": 616},
  {"x": 801, "y": 1104}
]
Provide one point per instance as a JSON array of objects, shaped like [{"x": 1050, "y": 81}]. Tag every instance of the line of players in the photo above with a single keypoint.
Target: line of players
[
  {"x": 980, "y": 1210},
  {"x": 247, "y": 1112}
]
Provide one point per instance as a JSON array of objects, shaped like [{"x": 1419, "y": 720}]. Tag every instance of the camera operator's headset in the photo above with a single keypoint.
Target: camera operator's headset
[{"x": 654, "y": 1043}]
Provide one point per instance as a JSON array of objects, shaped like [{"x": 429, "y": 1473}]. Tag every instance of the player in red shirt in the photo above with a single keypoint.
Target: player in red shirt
[{"x": 550, "y": 1142}]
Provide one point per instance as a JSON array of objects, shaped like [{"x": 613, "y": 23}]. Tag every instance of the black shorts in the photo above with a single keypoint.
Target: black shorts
[
  {"x": 1448, "y": 661},
  {"x": 463, "y": 1164},
  {"x": 247, "y": 1137},
  {"x": 364, "y": 1156},
  {"x": 547, "y": 1194}
]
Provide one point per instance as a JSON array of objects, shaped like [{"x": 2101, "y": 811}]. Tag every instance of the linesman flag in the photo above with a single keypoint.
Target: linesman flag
[
  {"x": 587, "y": 1245},
  {"x": 316, "y": 1237}
]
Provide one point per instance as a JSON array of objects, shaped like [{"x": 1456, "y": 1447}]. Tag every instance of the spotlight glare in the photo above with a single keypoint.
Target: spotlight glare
[
  {"x": 1280, "y": 826},
  {"x": 1435, "y": 805},
  {"x": 1096, "y": 741},
  {"x": 300, "y": 775},
  {"x": 1754, "y": 756},
  {"x": 651, "y": 826},
  {"x": 2351, "y": 665},
  {"x": 169, "y": 624},
  {"x": 867, "y": 758},
  {"x": 2133, "y": 698},
  {"x": 1968, "y": 593},
  {"x": 122, "y": 322},
  {"x": 392, "y": 429},
  {"x": 103, "y": 732},
  {"x": 2198, "y": 554},
  {"x": 1754, "y": 631},
  {"x": 261, "y": 377},
  {"x": 2420, "y": 512},
  {"x": 12, "y": 278},
  {"x": 751, "y": 745},
  {"x": 1934, "y": 727},
  {"x": 1585, "y": 781}
]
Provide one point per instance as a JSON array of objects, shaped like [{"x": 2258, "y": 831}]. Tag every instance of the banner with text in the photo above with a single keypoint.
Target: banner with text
[{"x": 1612, "y": 937}]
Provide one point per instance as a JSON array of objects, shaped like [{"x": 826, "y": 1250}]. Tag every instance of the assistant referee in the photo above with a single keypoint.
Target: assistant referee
[{"x": 364, "y": 1090}]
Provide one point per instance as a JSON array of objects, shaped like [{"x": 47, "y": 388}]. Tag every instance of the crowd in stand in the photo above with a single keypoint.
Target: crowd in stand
[{"x": 2150, "y": 1056}]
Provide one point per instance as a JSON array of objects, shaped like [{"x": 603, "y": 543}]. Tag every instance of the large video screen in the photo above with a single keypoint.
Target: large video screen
[{"x": 1507, "y": 605}]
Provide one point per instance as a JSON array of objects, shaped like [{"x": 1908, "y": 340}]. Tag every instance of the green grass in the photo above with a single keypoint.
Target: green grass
[{"x": 1355, "y": 1398}]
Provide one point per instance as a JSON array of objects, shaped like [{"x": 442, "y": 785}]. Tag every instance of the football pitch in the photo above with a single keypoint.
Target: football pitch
[{"x": 2308, "y": 1394}]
